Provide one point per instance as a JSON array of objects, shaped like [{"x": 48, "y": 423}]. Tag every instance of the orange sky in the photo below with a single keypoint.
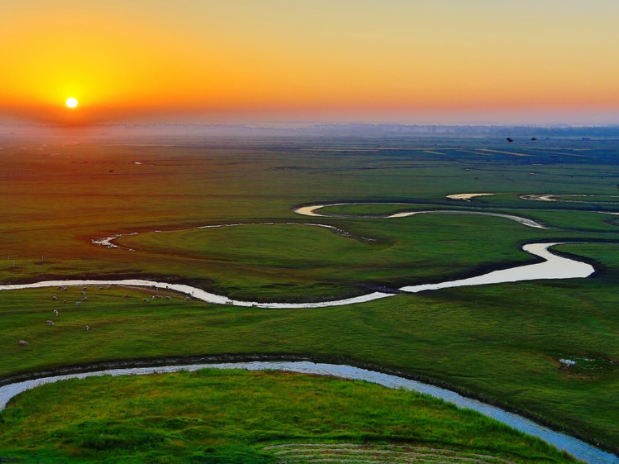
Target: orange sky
[{"x": 452, "y": 61}]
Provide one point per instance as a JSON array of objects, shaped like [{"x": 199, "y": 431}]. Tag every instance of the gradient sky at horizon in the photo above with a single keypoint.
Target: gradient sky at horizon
[{"x": 405, "y": 61}]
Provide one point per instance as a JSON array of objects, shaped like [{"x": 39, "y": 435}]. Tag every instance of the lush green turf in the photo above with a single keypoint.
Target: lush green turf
[
  {"x": 502, "y": 342},
  {"x": 228, "y": 417}
]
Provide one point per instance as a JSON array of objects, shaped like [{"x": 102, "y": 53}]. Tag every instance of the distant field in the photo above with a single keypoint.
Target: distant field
[{"x": 502, "y": 342}]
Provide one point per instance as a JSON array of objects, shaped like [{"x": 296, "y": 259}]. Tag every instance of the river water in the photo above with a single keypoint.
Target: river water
[
  {"x": 552, "y": 267},
  {"x": 575, "y": 447}
]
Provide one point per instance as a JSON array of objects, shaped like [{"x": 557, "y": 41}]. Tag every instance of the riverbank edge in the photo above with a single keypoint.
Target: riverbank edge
[{"x": 249, "y": 357}]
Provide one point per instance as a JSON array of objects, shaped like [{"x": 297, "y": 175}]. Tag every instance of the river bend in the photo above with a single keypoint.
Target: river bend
[{"x": 575, "y": 447}]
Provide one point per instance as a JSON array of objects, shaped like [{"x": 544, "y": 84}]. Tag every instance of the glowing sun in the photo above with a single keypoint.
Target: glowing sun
[{"x": 71, "y": 102}]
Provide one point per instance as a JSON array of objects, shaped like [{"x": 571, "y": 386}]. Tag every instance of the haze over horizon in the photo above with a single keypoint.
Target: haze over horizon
[{"x": 204, "y": 61}]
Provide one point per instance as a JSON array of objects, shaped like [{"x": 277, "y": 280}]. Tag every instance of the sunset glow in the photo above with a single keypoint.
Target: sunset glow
[{"x": 442, "y": 61}]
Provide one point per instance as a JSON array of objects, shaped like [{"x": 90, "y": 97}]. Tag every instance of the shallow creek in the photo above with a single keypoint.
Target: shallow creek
[{"x": 575, "y": 447}]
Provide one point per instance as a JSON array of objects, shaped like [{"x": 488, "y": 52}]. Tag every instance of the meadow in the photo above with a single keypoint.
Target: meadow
[
  {"x": 238, "y": 417},
  {"x": 502, "y": 342}
]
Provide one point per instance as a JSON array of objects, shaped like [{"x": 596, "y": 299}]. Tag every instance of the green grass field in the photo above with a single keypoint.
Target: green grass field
[
  {"x": 239, "y": 417},
  {"x": 501, "y": 342}
]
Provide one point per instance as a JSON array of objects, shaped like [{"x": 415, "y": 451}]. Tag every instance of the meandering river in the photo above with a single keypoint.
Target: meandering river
[
  {"x": 575, "y": 447},
  {"x": 312, "y": 211},
  {"x": 552, "y": 267}
]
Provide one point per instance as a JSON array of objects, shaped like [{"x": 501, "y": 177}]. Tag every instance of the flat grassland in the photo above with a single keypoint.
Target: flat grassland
[
  {"x": 228, "y": 417},
  {"x": 502, "y": 342}
]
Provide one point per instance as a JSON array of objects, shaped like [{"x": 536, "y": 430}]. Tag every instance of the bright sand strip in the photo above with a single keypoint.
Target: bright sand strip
[
  {"x": 467, "y": 196},
  {"x": 309, "y": 211}
]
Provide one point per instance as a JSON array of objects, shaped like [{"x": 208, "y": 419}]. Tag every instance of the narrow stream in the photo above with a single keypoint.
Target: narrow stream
[
  {"x": 575, "y": 447},
  {"x": 554, "y": 267},
  {"x": 312, "y": 211}
]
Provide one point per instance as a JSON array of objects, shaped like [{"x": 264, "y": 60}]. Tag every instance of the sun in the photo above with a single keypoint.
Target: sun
[{"x": 71, "y": 102}]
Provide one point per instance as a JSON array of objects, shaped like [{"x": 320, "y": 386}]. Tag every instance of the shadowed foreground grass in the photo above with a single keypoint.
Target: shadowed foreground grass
[{"x": 213, "y": 416}]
